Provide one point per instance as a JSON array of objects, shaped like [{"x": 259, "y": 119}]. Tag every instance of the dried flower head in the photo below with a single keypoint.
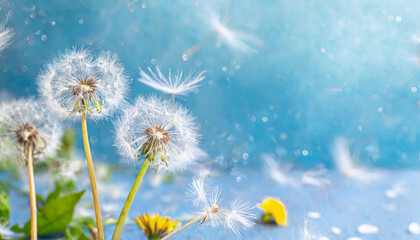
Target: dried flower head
[
  {"x": 235, "y": 218},
  {"x": 178, "y": 84},
  {"x": 162, "y": 133},
  {"x": 6, "y": 35},
  {"x": 27, "y": 124},
  {"x": 76, "y": 82},
  {"x": 157, "y": 226}
]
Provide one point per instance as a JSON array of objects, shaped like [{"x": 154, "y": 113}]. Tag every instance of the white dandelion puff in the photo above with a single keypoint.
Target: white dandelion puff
[
  {"x": 164, "y": 134},
  {"x": 6, "y": 35},
  {"x": 174, "y": 84},
  {"x": 345, "y": 163},
  {"x": 278, "y": 173},
  {"x": 77, "y": 82},
  {"x": 24, "y": 123}
]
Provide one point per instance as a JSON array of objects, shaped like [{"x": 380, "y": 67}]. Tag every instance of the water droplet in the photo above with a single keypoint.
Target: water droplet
[
  {"x": 184, "y": 57},
  {"x": 53, "y": 23},
  {"x": 44, "y": 38}
]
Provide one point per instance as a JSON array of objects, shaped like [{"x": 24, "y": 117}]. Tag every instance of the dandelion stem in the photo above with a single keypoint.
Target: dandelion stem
[
  {"x": 32, "y": 193},
  {"x": 183, "y": 227},
  {"x": 92, "y": 179},
  {"x": 124, "y": 212}
]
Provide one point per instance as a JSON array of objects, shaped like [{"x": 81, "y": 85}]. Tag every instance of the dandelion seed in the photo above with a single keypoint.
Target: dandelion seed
[
  {"x": 235, "y": 39},
  {"x": 277, "y": 173},
  {"x": 307, "y": 233},
  {"x": 315, "y": 178},
  {"x": 235, "y": 218},
  {"x": 178, "y": 84},
  {"x": 166, "y": 136},
  {"x": 6, "y": 35},
  {"x": 345, "y": 163},
  {"x": 76, "y": 83}
]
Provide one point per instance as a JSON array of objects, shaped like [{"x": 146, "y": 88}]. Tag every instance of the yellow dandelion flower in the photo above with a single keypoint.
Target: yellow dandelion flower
[
  {"x": 155, "y": 227},
  {"x": 273, "y": 208}
]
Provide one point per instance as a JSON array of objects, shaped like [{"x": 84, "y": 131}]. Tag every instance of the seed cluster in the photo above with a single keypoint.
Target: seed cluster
[
  {"x": 156, "y": 144},
  {"x": 27, "y": 136}
]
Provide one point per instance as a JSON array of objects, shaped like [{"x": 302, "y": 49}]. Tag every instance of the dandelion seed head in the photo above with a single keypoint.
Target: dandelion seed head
[
  {"x": 24, "y": 123},
  {"x": 77, "y": 82},
  {"x": 176, "y": 84},
  {"x": 162, "y": 133}
]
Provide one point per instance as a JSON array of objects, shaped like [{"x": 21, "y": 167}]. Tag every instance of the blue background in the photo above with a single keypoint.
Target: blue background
[{"x": 325, "y": 69}]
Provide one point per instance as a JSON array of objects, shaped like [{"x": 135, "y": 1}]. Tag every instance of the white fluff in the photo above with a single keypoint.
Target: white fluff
[
  {"x": 6, "y": 35},
  {"x": 175, "y": 84},
  {"x": 315, "y": 178},
  {"x": 14, "y": 113},
  {"x": 56, "y": 82},
  {"x": 277, "y": 173},
  {"x": 345, "y": 163},
  {"x": 237, "y": 40},
  {"x": 177, "y": 121},
  {"x": 236, "y": 217}
]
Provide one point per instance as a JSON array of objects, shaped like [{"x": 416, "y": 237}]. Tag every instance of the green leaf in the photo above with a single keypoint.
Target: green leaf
[
  {"x": 4, "y": 205},
  {"x": 54, "y": 194},
  {"x": 76, "y": 227},
  {"x": 75, "y": 234},
  {"x": 54, "y": 216}
]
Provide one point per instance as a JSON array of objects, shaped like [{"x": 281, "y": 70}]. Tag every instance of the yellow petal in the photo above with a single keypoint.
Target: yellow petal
[{"x": 276, "y": 209}]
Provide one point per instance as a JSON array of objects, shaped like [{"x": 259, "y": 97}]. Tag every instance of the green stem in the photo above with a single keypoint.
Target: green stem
[
  {"x": 121, "y": 220},
  {"x": 92, "y": 179}
]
